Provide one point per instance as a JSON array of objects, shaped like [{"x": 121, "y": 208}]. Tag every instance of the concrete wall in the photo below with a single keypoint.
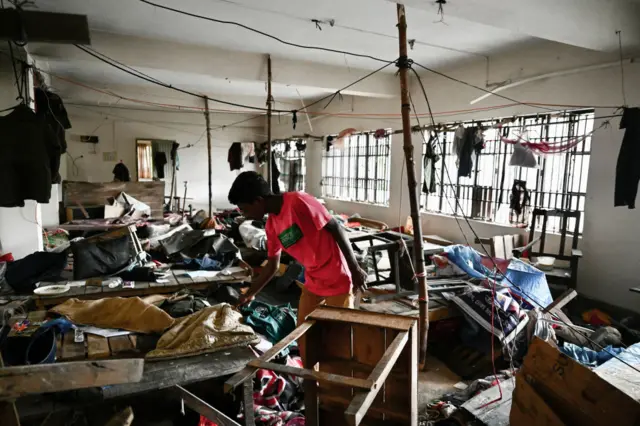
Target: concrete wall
[
  {"x": 610, "y": 255},
  {"x": 118, "y": 130},
  {"x": 20, "y": 230}
]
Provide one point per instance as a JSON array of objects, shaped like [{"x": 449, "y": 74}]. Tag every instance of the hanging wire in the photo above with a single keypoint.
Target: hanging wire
[{"x": 624, "y": 92}]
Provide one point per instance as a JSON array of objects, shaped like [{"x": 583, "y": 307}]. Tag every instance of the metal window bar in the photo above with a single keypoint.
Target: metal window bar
[
  {"x": 292, "y": 165},
  {"x": 560, "y": 181},
  {"x": 358, "y": 169}
]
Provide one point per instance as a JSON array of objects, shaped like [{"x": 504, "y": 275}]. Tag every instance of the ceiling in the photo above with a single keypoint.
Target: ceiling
[{"x": 469, "y": 29}]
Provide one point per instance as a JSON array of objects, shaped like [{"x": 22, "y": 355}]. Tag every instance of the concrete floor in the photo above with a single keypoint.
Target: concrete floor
[{"x": 436, "y": 381}]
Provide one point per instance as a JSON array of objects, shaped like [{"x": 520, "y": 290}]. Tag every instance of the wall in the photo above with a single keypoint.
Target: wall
[
  {"x": 118, "y": 129},
  {"x": 20, "y": 232},
  {"x": 608, "y": 267}
]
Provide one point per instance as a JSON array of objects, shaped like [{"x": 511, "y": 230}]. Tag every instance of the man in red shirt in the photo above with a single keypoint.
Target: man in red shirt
[{"x": 304, "y": 229}]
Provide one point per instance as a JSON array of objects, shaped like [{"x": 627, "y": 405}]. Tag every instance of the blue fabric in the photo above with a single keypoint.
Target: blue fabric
[
  {"x": 467, "y": 259},
  {"x": 589, "y": 357},
  {"x": 205, "y": 264},
  {"x": 531, "y": 280},
  {"x": 61, "y": 325}
]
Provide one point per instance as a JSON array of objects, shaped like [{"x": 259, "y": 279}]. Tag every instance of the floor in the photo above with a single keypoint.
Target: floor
[{"x": 436, "y": 381}]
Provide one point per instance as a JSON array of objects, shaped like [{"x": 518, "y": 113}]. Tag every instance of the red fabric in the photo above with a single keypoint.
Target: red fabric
[
  {"x": 8, "y": 257},
  {"x": 206, "y": 422},
  {"x": 326, "y": 270}
]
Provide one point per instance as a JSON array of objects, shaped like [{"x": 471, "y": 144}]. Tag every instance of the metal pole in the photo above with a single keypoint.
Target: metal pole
[
  {"x": 207, "y": 120},
  {"x": 269, "y": 106},
  {"x": 413, "y": 185}
]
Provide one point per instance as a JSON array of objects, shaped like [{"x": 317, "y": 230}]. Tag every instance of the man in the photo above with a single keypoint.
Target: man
[{"x": 304, "y": 229}]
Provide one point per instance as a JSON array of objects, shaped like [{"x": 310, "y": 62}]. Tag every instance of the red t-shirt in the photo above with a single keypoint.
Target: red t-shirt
[{"x": 299, "y": 230}]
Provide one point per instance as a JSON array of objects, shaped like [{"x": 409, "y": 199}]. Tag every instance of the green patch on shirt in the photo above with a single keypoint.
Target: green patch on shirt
[{"x": 290, "y": 236}]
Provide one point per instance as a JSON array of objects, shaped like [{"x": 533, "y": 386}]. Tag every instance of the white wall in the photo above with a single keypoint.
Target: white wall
[
  {"x": 20, "y": 232},
  {"x": 118, "y": 130},
  {"x": 610, "y": 255}
]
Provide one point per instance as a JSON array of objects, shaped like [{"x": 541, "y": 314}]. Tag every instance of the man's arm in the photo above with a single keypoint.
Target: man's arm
[
  {"x": 263, "y": 278},
  {"x": 358, "y": 275}
]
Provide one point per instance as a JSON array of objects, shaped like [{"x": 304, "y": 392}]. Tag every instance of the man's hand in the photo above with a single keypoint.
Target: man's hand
[{"x": 359, "y": 278}]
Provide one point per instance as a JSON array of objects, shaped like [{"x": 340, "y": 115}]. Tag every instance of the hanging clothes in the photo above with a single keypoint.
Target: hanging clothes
[
  {"x": 121, "y": 173},
  {"x": 29, "y": 157},
  {"x": 628, "y": 167},
  {"x": 235, "y": 156},
  {"x": 49, "y": 106},
  {"x": 159, "y": 161},
  {"x": 175, "y": 158},
  {"x": 429, "y": 163},
  {"x": 523, "y": 157},
  {"x": 275, "y": 175},
  {"x": 520, "y": 197},
  {"x": 472, "y": 142}
]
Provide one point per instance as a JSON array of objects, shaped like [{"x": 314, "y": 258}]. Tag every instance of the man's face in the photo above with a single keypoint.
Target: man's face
[{"x": 254, "y": 211}]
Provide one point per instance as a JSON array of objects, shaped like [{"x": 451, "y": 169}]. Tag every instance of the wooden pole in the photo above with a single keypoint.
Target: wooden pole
[
  {"x": 413, "y": 186},
  {"x": 207, "y": 120},
  {"x": 269, "y": 106}
]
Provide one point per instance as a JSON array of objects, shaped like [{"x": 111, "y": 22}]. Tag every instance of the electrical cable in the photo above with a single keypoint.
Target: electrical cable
[
  {"x": 431, "y": 70},
  {"x": 528, "y": 296},
  {"x": 246, "y": 27}
]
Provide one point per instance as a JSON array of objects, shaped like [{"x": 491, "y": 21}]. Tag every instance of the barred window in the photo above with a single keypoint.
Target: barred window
[
  {"x": 558, "y": 182},
  {"x": 291, "y": 164},
  {"x": 357, "y": 169}
]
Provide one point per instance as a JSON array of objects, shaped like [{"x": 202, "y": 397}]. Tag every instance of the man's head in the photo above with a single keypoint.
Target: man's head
[{"x": 249, "y": 192}]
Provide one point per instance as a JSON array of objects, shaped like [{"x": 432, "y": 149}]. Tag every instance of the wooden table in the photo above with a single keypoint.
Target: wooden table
[{"x": 178, "y": 280}]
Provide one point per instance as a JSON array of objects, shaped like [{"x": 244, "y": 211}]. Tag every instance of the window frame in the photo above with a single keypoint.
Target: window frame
[
  {"x": 283, "y": 159},
  {"x": 560, "y": 185},
  {"x": 369, "y": 179}
]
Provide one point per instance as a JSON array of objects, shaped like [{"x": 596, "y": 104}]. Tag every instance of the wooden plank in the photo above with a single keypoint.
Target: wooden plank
[
  {"x": 8, "y": 411},
  {"x": 577, "y": 394},
  {"x": 496, "y": 413},
  {"x": 162, "y": 374},
  {"x": 96, "y": 194},
  {"x": 247, "y": 372},
  {"x": 369, "y": 345},
  {"x": 97, "y": 347},
  {"x": 311, "y": 356},
  {"x": 204, "y": 409},
  {"x": 396, "y": 322},
  {"x": 72, "y": 351},
  {"x": 318, "y": 376},
  {"x": 339, "y": 403},
  {"x": 388, "y": 360},
  {"x": 336, "y": 358},
  {"x": 247, "y": 400},
  {"x": 121, "y": 346},
  {"x": 412, "y": 367},
  {"x": 528, "y": 408},
  {"x": 562, "y": 301},
  {"x": 35, "y": 379}
]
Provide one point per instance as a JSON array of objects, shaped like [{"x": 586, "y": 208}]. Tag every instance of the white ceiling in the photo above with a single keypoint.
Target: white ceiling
[
  {"x": 470, "y": 29},
  {"x": 363, "y": 26}
]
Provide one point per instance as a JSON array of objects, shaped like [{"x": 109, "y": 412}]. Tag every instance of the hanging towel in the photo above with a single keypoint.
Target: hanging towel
[
  {"x": 429, "y": 162},
  {"x": 235, "y": 156}
]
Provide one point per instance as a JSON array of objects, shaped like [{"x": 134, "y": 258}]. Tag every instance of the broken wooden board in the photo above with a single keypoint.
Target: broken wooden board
[
  {"x": 43, "y": 378},
  {"x": 486, "y": 409}
]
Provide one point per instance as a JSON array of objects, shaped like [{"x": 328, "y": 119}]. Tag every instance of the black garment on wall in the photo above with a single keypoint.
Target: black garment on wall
[
  {"x": 235, "y": 156},
  {"x": 121, "y": 173},
  {"x": 159, "y": 161},
  {"x": 429, "y": 162},
  {"x": 471, "y": 142},
  {"x": 628, "y": 168},
  {"x": 29, "y": 157}
]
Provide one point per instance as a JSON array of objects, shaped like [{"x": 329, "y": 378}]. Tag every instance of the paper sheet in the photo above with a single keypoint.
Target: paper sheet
[
  {"x": 104, "y": 332},
  {"x": 233, "y": 270},
  {"x": 205, "y": 274}
]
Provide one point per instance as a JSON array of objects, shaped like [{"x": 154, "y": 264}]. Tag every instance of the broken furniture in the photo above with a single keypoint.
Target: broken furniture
[
  {"x": 365, "y": 373},
  {"x": 176, "y": 281},
  {"x": 553, "y": 389},
  {"x": 501, "y": 246},
  {"x": 558, "y": 275},
  {"x": 397, "y": 247}
]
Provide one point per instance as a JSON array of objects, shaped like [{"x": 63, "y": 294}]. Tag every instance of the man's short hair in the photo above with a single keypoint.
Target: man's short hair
[{"x": 247, "y": 188}]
